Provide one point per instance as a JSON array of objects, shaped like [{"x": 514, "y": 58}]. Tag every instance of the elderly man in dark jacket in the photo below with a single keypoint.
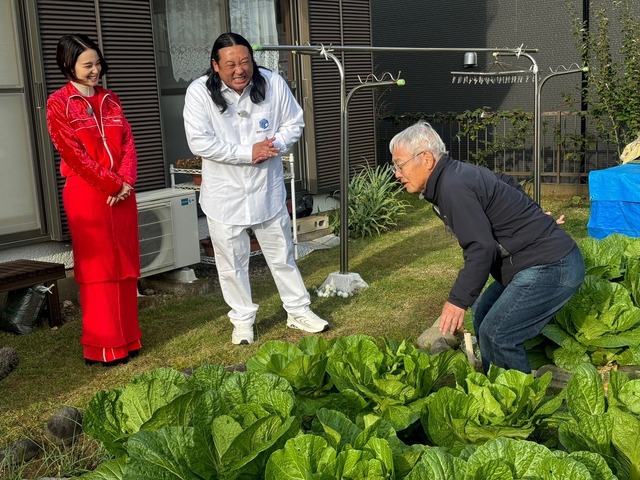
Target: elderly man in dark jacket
[{"x": 535, "y": 265}]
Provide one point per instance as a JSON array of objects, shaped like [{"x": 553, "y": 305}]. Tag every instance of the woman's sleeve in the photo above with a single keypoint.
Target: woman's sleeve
[
  {"x": 73, "y": 153},
  {"x": 128, "y": 169}
]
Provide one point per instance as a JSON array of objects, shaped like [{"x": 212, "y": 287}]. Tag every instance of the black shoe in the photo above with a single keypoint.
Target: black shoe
[
  {"x": 113, "y": 363},
  {"x": 134, "y": 353}
]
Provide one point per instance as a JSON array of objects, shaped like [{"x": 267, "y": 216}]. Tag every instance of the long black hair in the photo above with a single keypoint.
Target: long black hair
[
  {"x": 214, "y": 84},
  {"x": 70, "y": 47}
]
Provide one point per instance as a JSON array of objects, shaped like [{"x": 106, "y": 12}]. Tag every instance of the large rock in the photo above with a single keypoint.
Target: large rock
[
  {"x": 21, "y": 451},
  {"x": 9, "y": 360},
  {"x": 435, "y": 341},
  {"x": 65, "y": 425},
  {"x": 632, "y": 371},
  {"x": 559, "y": 379}
]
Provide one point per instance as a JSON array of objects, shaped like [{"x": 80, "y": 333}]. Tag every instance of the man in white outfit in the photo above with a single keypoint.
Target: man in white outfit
[{"x": 240, "y": 118}]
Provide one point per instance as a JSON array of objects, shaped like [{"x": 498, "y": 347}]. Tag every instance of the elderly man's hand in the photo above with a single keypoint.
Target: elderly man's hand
[
  {"x": 452, "y": 318},
  {"x": 559, "y": 220}
]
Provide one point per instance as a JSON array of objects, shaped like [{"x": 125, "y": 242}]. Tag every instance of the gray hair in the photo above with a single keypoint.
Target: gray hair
[{"x": 419, "y": 137}]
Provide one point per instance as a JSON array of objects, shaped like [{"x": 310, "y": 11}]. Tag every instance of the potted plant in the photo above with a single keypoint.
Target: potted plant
[{"x": 191, "y": 163}]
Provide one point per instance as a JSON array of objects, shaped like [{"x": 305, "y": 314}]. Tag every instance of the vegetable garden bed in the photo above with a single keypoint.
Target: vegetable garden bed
[{"x": 362, "y": 407}]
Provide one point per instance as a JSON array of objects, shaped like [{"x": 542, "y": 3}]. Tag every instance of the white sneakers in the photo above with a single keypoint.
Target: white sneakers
[
  {"x": 308, "y": 322},
  {"x": 242, "y": 335}
]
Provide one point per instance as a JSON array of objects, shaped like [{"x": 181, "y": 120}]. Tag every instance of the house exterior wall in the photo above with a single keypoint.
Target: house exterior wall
[
  {"x": 542, "y": 25},
  {"x": 123, "y": 31},
  {"x": 339, "y": 22},
  {"x": 123, "y": 28},
  {"x": 545, "y": 25}
]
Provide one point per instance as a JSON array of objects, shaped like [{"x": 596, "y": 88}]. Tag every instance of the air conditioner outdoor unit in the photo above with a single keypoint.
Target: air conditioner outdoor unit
[{"x": 168, "y": 230}]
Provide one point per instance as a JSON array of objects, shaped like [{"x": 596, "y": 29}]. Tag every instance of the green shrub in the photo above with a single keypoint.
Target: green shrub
[
  {"x": 374, "y": 206},
  {"x": 613, "y": 80}
]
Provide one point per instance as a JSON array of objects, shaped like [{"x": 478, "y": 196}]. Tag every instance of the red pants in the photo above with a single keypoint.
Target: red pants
[
  {"x": 110, "y": 327},
  {"x": 106, "y": 266}
]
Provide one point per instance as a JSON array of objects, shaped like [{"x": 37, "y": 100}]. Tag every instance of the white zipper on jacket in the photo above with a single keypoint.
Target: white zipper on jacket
[{"x": 100, "y": 127}]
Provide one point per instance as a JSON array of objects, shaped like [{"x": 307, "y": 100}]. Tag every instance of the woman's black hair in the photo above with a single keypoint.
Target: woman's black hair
[
  {"x": 214, "y": 82},
  {"x": 70, "y": 47}
]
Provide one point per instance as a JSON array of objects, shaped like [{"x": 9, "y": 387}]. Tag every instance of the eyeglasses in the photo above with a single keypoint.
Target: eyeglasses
[{"x": 398, "y": 166}]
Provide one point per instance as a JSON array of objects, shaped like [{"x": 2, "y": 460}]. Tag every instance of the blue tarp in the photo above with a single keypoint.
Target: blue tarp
[{"x": 615, "y": 201}]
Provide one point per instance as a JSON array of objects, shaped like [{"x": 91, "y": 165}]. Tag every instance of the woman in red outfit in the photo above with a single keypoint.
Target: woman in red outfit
[{"x": 98, "y": 160}]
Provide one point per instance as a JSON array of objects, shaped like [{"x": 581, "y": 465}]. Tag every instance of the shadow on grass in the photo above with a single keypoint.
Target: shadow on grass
[
  {"x": 190, "y": 331},
  {"x": 409, "y": 271}
]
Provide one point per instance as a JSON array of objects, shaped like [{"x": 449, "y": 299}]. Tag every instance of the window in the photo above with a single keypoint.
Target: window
[
  {"x": 257, "y": 22},
  {"x": 184, "y": 32},
  {"x": 20, "y": 214}
]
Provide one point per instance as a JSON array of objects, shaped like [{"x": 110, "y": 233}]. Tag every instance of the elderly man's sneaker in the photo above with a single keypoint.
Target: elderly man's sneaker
[
  {"x": 242, "y": 335},
  {"x": 307, "y": 321}
]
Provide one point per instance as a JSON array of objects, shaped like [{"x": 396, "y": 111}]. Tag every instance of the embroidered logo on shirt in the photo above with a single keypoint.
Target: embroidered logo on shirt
[{"x": 264, "y": 123}]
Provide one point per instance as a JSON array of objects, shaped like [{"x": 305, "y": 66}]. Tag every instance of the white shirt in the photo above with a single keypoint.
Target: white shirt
[{"x": 234, "y": 191}]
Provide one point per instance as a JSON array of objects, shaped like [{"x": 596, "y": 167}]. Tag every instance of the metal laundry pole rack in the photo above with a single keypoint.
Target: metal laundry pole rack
[
  {"x": 500, "y": 73},
  {"x": 344, "y": 280},
  {"x": 561, "y": 70}
]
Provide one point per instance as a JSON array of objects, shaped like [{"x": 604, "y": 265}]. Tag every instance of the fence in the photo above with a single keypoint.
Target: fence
[{"x": 503, "y": 141}]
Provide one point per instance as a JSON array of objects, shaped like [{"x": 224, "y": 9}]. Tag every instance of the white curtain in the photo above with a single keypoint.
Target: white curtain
[
  {"x": 192, "y": 27},
  {"x": 255, "y": 20}
]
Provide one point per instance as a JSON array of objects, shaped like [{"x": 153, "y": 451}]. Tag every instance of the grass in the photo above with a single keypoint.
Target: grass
[
  {"x": 57, "y": 461},
  {"x": 409, "y": 272}
]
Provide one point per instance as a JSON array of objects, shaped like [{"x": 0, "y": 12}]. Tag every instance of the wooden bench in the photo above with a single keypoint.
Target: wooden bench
[{"x": 27, "y": 273}]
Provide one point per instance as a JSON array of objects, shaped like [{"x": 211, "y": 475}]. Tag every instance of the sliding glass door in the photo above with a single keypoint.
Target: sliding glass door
[{"x": 20, "y": 214}]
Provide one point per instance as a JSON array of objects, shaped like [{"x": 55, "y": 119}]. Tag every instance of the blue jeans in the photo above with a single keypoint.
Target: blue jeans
[{"x": 505, "y": 317}]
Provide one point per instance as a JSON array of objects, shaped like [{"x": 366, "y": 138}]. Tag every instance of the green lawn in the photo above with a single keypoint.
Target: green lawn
[{"x": 409, "y": 271}]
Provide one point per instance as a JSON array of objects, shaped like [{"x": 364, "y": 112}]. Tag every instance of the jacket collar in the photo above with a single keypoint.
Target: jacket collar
[
  {"x": 71, "y": 91},
  {"x": 430, "y": 191}
]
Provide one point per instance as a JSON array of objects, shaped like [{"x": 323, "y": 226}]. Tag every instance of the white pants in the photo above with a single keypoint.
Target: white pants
[{"x": 231, "y": 245}]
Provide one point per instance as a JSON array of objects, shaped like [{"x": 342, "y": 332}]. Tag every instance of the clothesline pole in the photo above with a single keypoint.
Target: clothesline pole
[{"x": 327, "y": 52}]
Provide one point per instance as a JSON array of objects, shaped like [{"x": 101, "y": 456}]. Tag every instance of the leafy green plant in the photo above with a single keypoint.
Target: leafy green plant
[
  {"x": 480, "y": 126},
  {"x": 374, "y": 203},
  {"x": 603, "y": 424},
  {"x": 358, "y": 375},
  {"x": 340, "y": 448},
  {"x": 246, "y": 425},
  {"x": 392, "y": 378},
  {"x": 601, "y": 322},
  {"x": 613, "y": 80},
  {"x": 213, "y": 424},
  {"x": 507, "y": 458},
  {"x": 570, "y": 146},
  {"x": 302, "y": 365},
  {"x": 503, "y": 403}
]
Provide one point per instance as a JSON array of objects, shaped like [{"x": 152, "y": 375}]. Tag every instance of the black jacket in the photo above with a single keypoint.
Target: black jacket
[{"x": 500, "y": 228}]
